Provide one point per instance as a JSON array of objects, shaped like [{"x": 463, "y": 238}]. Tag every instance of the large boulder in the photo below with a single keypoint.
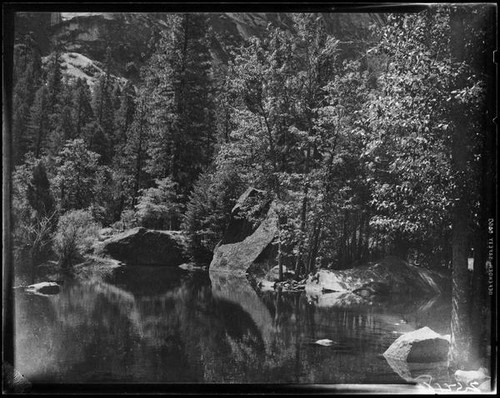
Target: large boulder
[
  {"x": 389, "y": 276},
  {"x": 422, "y": 345},
  {"x": 237, "y": 258},
  {"x": 140, "y": 246},
  {"x": 244, "y": 243}
]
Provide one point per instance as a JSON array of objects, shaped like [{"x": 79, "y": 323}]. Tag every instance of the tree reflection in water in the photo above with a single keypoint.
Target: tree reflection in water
[{"x": 165, "y": 325}]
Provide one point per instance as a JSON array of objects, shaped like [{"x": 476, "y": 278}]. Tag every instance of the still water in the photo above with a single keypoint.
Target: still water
[{"x": 153, "y": 324}]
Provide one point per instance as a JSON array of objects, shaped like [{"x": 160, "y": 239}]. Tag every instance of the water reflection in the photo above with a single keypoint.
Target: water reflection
[{"x": 149, "y": 324}]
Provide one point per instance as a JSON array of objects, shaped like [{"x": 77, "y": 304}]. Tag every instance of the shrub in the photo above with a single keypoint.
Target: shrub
[
  {"x": 160, "y": 207},
  {"x": 128, "y": 220},
  {"x": 75, "y": 235}
]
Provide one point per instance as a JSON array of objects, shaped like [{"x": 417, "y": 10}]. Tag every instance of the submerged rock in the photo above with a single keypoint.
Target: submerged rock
[
  {"x": 389, "y": 276},
  {"x": 324, "y": 342},
  {"x": 140, "y": 246},
  {"x": 192, "y": 267},
  {"x": 45, "y": 288},
  {"x": 470, "y": 376},
  {"x": 422, "y": 345},
  {"x": 415, "y": 372}
]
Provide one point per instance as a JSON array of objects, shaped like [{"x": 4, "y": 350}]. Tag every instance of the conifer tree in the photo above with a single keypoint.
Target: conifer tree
[
  {"x": 27, "y": 80},
  {"x": 82, "y": 109},
  {"x": 39, "y": 194},
  {"x": 181, "y": 116},
  {"x": 134, "y": 156},
  {"x": 39, "y": 121},
  {"x": 54, "y": 81},
  {"x": 64, "y": 130},
  {"x": 103, "y": 132},
  {"x": 124, "y": 114}
]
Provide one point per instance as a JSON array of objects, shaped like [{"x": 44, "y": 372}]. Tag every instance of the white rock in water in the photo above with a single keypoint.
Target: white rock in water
[
  {"x": 44, "y": 288},
  {"x": 324, "y": 342},
  {"x": 422, "y": 345},
  {"x": 468, "y": 376}
]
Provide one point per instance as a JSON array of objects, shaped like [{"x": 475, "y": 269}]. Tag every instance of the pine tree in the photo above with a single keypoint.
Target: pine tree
[
  {"x": 63, "y": 132},
  {"x": 134, "y": 156},
  {"x": 54, "y": 81},
  {"x": 39, "y": 122},
  {"x": 27, "y": 80},
  {"x": 124, "y": 115},
  {"x": 116, "y": 95},
  {"x": 104, "y": 113},
  {"x": 39, "y": 194},
  {"x": 82, "y": 108},
  {"x": 181, "y": 116},
  {"x": 20, "y": 126}
]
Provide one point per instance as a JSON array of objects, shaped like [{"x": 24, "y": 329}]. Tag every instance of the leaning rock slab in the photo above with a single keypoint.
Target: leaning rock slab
[
  {"x": 140, "y": 246},
  {"x": 242, "y": 243},
  {"x": 422, "y": 345},
  {"x": 236, "y": 258}
]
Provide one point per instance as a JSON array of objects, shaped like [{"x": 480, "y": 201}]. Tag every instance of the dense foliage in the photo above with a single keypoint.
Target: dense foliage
[{"x": 356, "y": 147}]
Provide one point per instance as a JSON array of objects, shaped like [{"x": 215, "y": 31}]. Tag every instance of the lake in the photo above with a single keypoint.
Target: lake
[{"x": 166, "y": 325}]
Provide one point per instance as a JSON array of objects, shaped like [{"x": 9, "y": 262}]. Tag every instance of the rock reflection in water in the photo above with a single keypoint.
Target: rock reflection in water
[{"x": 151, "y": 324}]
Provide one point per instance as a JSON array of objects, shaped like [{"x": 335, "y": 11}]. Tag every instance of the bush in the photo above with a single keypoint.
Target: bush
[
  {"x": 75, "y": 235},
  {"x": 160, "y": 207},
  {"x": 128, "y": 220}
]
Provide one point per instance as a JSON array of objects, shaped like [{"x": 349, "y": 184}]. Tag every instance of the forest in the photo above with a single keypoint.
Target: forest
[{"x": 384, "y": 146}]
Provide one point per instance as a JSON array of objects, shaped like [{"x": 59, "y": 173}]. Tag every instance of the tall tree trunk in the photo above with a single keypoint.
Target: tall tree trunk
[
  {"x": 314, "y": 244},
  {"x": 460, "y": 352},
  {"x": 280, "y": 256}
]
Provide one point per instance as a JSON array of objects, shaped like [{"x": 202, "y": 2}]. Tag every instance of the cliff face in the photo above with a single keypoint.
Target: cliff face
[{"x": 132, "y": 36}]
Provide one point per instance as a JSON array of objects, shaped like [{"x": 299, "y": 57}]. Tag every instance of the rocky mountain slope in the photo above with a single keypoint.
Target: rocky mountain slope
[{"x": 84, "y": 37}]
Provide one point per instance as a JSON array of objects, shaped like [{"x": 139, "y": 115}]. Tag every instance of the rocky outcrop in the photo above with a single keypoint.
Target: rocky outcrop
[
  {"x": 243, "y": 244},
  {"x": 132, "y": 37},
  {"x": 389, "y": 276},
  {"x": 140, "y": 246},
  {"x": 422, "y": 345}
]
